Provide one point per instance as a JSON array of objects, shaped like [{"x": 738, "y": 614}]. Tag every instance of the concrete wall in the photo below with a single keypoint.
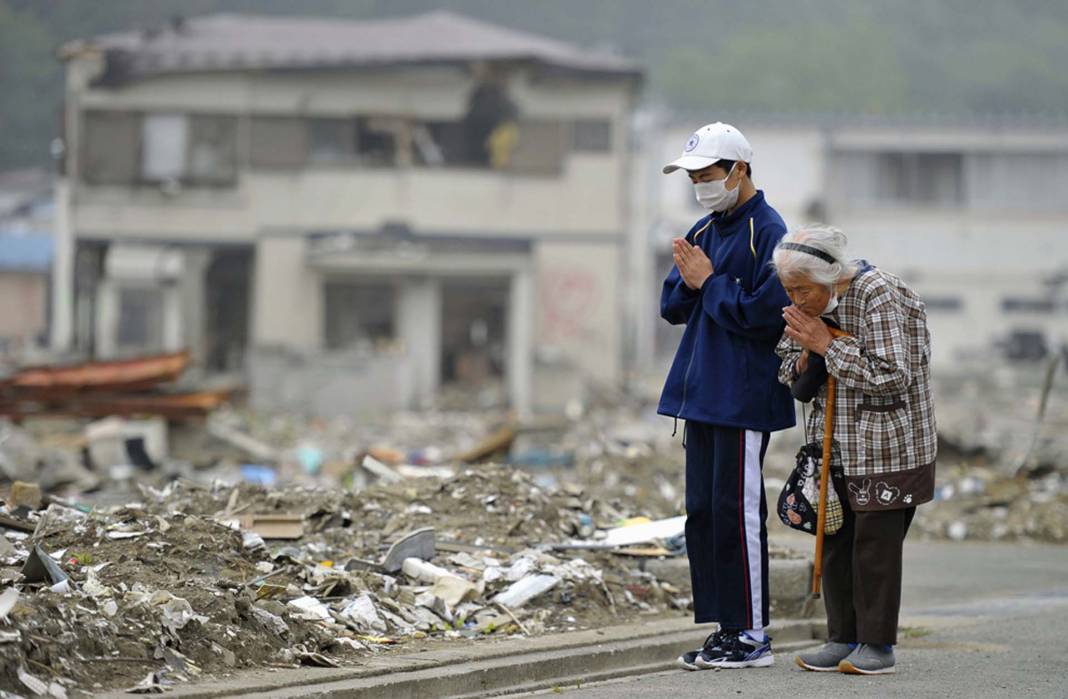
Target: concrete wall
[
  {"x": 287, "y": 300},
  {"x": 578, "y": 306},
  {"x": 327, "y": 384}
]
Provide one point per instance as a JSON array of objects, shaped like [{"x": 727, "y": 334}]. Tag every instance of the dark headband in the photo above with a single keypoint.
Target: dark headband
[{"x": 808, "y": 249}]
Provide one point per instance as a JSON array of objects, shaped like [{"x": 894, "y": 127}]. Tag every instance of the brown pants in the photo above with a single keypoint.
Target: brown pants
[{"x": 862, "y": 576}]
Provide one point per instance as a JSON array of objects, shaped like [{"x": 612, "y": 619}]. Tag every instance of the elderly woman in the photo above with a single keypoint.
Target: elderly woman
[{"x": 884, "y": 432}]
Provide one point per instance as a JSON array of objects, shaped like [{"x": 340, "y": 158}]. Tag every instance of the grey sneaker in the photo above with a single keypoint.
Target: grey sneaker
[
  {"x": 825, "y": 658},
  {"x": 868, "y": 659}
]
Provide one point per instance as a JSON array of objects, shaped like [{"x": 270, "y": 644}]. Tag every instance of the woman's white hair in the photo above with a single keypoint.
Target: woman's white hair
[{"x": 789, "y": 261}]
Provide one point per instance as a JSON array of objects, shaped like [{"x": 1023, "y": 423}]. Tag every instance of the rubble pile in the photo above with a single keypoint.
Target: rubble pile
[
  {"x": 1002, "y": 471},
  {"x": 979, "y": 503},
  {"x": 195, "y": 579}
]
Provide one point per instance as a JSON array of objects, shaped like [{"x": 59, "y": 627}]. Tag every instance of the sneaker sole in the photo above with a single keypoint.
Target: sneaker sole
[
  {"x": 763, "y": 661},
  {"x": 814, "y": 668},
  {"x": 849, "y": 668},
  {"x": 685, "y": 665}
]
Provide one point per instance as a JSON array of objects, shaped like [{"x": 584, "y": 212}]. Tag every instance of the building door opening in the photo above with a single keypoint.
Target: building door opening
[
  {"x": 227, "y": 287},
  {"x": 474, "y": 338}
]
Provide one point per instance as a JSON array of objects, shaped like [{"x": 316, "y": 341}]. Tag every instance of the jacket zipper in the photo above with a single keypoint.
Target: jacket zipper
[{"x": 693, "y": 352}]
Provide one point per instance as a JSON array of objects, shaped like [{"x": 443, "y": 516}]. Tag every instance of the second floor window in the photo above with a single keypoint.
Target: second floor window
[
  {"x": 197, "y": 149},
  {"x": 893, "y": 179}
]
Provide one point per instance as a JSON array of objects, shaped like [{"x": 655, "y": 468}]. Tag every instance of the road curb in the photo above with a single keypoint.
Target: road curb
[{"x": 493, "y": 668}]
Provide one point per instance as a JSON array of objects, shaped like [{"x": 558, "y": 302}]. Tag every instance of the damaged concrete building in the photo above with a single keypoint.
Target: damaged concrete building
[{"x": 353, "y": 214}]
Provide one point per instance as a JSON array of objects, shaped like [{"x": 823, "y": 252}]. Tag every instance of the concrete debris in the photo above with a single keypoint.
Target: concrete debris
[
  {"x": 979, "y": 503},
  {"x": 363, "y": 612},
  {"x": 279, "y": 541},
  {"x": 151, "y": 684},
  {"x": 35, "y": 685},
  {"x": 379, "y": 470},
  {"x": 192, "y": 594},
  {"x": 522, "y": 591},
  {"x": 8, "y": 599},
  {"x": 453, "y": 590},
  {"x": 418, "y": 544},
  {"x": 116, "y": 441},
  {"x": 42, "y": 568},
  {"x": 254, "y": 447},
  {"x": 310, "y": 608}
]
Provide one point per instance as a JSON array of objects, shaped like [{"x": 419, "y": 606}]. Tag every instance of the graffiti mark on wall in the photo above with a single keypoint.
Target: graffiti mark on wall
[{"x": 569, "y": 298}]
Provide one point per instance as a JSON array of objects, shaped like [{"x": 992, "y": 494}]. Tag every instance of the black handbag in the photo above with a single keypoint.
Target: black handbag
[{"x": 798, "y": 501}]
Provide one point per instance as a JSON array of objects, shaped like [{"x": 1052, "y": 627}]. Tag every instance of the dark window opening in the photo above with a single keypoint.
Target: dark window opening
[
  {"x": 140, "y": 318},
  {"x": 376, "y": 140},
  {"x": 920, "y": 178},
  {"x": 1020, "y": 304},
  {"x": 359, "y": 314},
  {"x": 227, "y": 282},
  {"x": 944, "y": 303},
  {"x": 474, "y": 331},
  {"x": 110, "y": 147}
]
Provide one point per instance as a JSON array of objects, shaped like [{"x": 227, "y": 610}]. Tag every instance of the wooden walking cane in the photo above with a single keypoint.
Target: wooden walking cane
[{"x": 825, "y": 475}]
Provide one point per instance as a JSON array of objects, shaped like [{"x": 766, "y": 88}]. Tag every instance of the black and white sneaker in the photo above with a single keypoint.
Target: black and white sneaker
[
  {"x": 709, "y": 647},
  {"x": 737, "y": 650}
]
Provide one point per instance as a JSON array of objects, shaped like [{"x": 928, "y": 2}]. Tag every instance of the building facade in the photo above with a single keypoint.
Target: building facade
[{"x": 355, "y": 214}]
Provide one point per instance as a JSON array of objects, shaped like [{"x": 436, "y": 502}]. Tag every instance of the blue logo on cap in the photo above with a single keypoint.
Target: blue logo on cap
[{"x": 692, "y": 143}]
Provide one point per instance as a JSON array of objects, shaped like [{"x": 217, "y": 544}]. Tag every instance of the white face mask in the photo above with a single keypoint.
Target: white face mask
[
  {"x": 832, "y": 303},
  {"x": 715, "y": 196}
]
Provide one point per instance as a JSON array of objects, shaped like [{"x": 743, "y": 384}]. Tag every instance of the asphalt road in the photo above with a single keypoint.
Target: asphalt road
[{"x": 979, "y": 620}]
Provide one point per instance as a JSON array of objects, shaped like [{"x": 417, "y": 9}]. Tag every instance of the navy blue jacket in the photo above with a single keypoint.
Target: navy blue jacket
[{"x": 725, "y": 370}]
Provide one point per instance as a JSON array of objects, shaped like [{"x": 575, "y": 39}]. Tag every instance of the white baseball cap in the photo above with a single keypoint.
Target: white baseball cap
[{"x": 710, "y": 144}]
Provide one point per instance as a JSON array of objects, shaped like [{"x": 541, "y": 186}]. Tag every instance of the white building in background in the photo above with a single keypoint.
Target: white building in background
[
  {"x": 973, "y": 215},
  {"x": 357, "y": 213}
]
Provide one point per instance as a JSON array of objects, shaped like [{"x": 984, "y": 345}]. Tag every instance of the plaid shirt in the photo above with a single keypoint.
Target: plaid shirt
[{"x": 884, "y": 426}]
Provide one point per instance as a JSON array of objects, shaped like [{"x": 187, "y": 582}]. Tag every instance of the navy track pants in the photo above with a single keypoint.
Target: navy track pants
[{"x": 726, "y": 525}]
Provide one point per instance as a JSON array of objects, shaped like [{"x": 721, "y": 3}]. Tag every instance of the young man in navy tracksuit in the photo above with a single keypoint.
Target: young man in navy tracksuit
[{"x": 724, "y": 384}]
